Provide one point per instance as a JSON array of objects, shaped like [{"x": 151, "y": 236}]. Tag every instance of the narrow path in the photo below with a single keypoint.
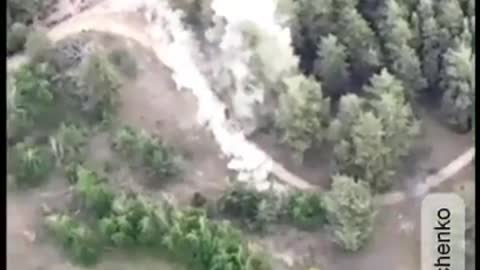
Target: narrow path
[{"x": 101, "y": 19}]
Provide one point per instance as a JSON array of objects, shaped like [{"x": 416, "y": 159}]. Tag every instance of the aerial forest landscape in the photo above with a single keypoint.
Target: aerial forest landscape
[{"x": 235, "y": 135}]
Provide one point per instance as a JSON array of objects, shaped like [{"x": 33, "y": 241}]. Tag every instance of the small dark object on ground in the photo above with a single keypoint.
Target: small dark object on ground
[{"x": 198, "y": 200}]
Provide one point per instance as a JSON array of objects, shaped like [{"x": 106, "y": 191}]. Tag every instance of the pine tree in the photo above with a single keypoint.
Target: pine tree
[
  {"x": 391, "y": 106},
  {"x": 431, "y": 49},
  {"x": 331, "y": 65},
  {"x": 449, "y": 15},
  {"x": 363, "y": 49},
  {"x": 458, "y": 85},
  {"x": 402, "y": 59},
  {"x": 351, "y": 212},
  {"x": 406, "y": 67},
  {"x": 303, "y": 114}
]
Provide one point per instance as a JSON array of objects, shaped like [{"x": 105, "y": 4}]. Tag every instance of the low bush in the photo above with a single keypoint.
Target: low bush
[
  {"x": 68, "y": 142},
  {"x": 79, "y": 240},
  {"x": 159, "y": 159},
  {"x": 33, "y": 97},
  {"x": 306, "y": 209},
  {"x": 244, "y": 204},
  {"x": 132, "y": 222},
  {"x": 32, "y": 164},
  {"x": 94, "y": 192},
  {"x": 100, "y": 84}
]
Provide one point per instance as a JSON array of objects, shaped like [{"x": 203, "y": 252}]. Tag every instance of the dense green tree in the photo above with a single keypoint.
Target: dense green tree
[
  {"x": 331, "y": 66},
  {"x": 395, "y": 112},
  {"x": 350, "y": 211},
  {"x": 402, "y": 59},
  {"x": 364, "y": 154},
  {"x": 363, "y": 50},
  {"x": 406, "y": 67},
  {"x": 349, "y": 108},
  {"x": 314, "y": 19},
  {"x": 458, "y": 85},
  {"x": 431, "y": 47},
  {"x": 371, "y": 136},
  {"x": 310, "y": 21},
  {"x": 416, "y": 30},
  {"x": 303, "y": 114},
  {"x": 449, "y": 15}
]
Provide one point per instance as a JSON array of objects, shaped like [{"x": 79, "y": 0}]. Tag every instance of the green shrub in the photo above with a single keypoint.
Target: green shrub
[
  {"x": 306, "y": 209},
  {"x": 33, "y": 98},
  {"x": 94, "y": 192},
  {"x": 16, "y": 37},
  {"x": 68, "y": 142},
  {"x": 159, "y": 159},
  {"x": 350, "y": 211},
  {"x": 80, "y": 242},
  {"x": 32, "y": 164},
  {"x": 243, "y": 204},
  {"x": 206, "y": 245},
  {"x": 101, "y": 84},
  {"x": 132, "y": 222}
]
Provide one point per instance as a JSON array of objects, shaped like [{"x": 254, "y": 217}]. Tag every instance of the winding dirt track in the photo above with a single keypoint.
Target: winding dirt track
[{"x": 130, "y": 25}]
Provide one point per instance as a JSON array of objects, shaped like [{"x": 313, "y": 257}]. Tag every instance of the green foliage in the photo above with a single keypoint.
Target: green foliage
[
  {"x": 16, "y": 37},
  {"x": 431, "y": 42},
  {"x": 132, "y": 222},
  {"x": 402, "y": 59},
  {"x": 458, "y": 86},
  {"x": 303, "y": 114},
  {"x": 331, "y": 66},
  {"x": 449, "y": 15},
  {"x": 306, "y": 209},
  {"x": 363, "y": 49},
  {"x": 159, "y": 159},
  {"x": 33, "y": 97},
  {"x": 38, "y": 46},
  {"x": 124, "y": 61},
  {"x": 253, "y": 208},
  {"x": 68, "y": 142},
  {"x": 371, "y": 137},
  {"x": 95, "y": 194},
  {"x": 32, "y": 164},
  {"x": 313, "y": 19},
  {"x": 350, "y": 210},
  {"x": 101, "y": 84},
  {"x": 395, "y": 112},
  {"x": 80, "y": 242},
  {"x": 206, "y": 245}
]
